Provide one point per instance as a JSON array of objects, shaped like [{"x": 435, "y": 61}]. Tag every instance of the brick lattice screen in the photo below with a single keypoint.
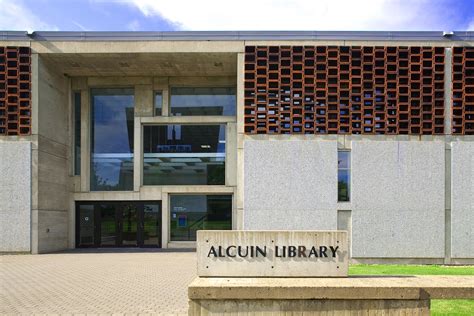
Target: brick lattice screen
[
  {"x": 344, "y": 90},
  {"x": 463, "y": 91},
  {"x": 15, "y": 91}
]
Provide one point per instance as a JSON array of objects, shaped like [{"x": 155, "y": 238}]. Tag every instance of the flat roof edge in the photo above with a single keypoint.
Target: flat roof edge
[{"x": 238, "y": 36}]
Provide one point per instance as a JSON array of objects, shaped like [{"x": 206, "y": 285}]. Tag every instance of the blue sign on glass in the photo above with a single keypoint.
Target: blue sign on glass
[{"x": 182, "y": 220}]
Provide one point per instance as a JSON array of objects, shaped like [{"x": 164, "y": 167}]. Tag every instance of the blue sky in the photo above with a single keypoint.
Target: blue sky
[{"x": 168, "y": 15}]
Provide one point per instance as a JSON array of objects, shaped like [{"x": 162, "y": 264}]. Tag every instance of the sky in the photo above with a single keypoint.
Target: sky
[{"x": 214, "y": 15}]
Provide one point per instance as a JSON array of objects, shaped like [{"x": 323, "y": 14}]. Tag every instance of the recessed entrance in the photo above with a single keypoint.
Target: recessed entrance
[{"x": 118, "y": 224}]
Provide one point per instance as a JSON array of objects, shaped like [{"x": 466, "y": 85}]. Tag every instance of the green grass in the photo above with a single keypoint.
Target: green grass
[
  {"x": 438, "y": 307},
  {"x": 383, "y": 269}
]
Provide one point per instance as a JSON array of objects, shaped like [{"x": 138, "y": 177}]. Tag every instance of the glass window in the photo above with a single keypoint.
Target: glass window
[
  {"x": 190, "y": 213},
  {"x": 112, "y": 115},
  {"x": 203, "y": 101},
  {"x": 77, "y": 133},
  {"x": 184, "y": 154},
  {"x": 158, "y": 103},
  {"x": 343, "y": 176}
]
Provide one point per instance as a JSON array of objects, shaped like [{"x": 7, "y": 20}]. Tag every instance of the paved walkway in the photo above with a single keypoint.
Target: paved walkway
[{"x": 96, "y": 283}]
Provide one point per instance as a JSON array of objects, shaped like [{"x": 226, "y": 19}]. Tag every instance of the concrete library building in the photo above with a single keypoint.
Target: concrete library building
[{"x": 140, "y": 139}]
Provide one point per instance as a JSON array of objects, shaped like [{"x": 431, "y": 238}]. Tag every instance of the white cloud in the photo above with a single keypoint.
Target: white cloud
[
  {"x": 80, "y": 26},
  {"x": 470, "y": 27},
  {"x": 134, "y": 25},
  {"x": 301, "y": 14},
  {"x": 15, "y": 16}
]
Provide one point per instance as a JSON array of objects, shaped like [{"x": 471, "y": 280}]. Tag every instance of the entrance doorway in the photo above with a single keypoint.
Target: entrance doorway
[{"x": 118, "y": 224}]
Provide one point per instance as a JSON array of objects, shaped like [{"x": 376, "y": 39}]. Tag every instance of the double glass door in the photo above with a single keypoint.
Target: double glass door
[{"x": 118, "y": 224}]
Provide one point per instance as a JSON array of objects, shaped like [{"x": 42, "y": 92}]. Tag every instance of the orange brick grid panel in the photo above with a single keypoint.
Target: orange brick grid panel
[
  {"x": 463, "y": 91},
  {"x": 15, "y": 91},
  {"x": 344, "y": 90}
]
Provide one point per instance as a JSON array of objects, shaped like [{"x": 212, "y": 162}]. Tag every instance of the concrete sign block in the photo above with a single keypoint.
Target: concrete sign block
[{"x": 272, "y": 253}]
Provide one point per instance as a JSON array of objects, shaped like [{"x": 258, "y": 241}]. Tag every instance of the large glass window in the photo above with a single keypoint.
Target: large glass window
[
  {"x": 77, "y": 133},
  {"x": 112, "y": 112},
  {"x": 184, "y": 154},
  {"x": 203, "y": 101},
  {"x": 343, "y": 176},
  {"x": 190, "y": 213}
]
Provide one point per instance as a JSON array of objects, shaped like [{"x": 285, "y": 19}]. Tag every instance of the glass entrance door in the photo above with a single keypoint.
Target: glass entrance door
[
  {"x": 151, "y": 226},
  {"x": 108, "y": 225},
  {"x": 128, "y": 218},
  {"x": 118, "y": 224}
]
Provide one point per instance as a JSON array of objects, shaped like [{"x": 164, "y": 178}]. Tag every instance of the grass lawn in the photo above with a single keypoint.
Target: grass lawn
[{"x": 438, "y": 307}]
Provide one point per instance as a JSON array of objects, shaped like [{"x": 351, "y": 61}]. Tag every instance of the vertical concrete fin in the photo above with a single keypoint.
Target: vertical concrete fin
[
  {"x": 447, "y": 205},
  {"x": 448, "y": 101}
]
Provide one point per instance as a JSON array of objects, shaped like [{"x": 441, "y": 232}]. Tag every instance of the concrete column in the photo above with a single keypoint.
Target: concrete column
[
  {"x": 231, "y": 155},
  {"x": 144, "y": 105},
  {"x": 85, "y": 140},
  {"x": 344, "y": 222},
  {"x": 34, "y": 94},
  {"x": 240, "y": 141},
  {"x": 137, "y": 154},
  {"x": 447, "y": 202},
  {"x": 34, "y": 151},
  {"x": 448, "y": 102},
  {"x": 162, "y": 84},
  {"x": 165, "y": 220},
  {"x": 448, "y": 105},
  {"x": 166, "y": 102}
]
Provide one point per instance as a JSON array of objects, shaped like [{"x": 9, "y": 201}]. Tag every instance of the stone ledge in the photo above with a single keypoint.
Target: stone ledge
[{"x": 352, "y": 288}]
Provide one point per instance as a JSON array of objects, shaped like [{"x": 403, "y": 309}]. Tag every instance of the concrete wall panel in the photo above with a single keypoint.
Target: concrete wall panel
[
  {"x": 52, "y": 230},
  {"x": 462, "y": 200},
  {"x": 398, "y": 199},
  {"x": 50, "y": 224},
  {"x": 53, "y": 104},
  {"x": 15, "y": 196},
  {"x": 290, "y": 184}
]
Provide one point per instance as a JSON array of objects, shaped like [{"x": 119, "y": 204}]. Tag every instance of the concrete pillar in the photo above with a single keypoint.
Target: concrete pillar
[
  {"x": 137, "y": 154},
  {"x": 344, "y": 222},
  {"x": 240, "y": 141},
  {"x": 144, "y": 105},
  {"x": 165, "y": 220},
  {"x": 85, "y": 140},
  {"x": 231, "y": 155},
  {"x": 447, "y": 201},
  {"x": 162, "y": 84},
  {"x": 448, "y": 102}
]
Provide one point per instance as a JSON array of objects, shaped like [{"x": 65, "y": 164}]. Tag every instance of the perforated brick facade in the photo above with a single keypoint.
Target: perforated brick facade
[
  {"x": 15, "y": 91},
  {"x": 463, "y": 91},
  {"x": 344, "y": 90}
]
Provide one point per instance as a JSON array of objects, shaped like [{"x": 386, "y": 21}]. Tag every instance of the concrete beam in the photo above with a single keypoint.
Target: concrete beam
[
  {"x": 362, "y": 288},
  {"x": 188, "y": 120},
  {"x": 111, "y": 47}
]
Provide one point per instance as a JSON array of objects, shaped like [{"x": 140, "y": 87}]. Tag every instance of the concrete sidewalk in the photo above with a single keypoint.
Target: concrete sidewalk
[{"x": 97, "y": 282}]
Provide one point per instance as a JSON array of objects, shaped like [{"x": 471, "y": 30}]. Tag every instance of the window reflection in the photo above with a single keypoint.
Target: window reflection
[
  {"x": 190, "y": 213},
  {"x": 203, "y": 101},
  {"x": 112, "y": 113},
  {"x": 184, "y": 154},
  {"x": 343, "y": 175}
]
